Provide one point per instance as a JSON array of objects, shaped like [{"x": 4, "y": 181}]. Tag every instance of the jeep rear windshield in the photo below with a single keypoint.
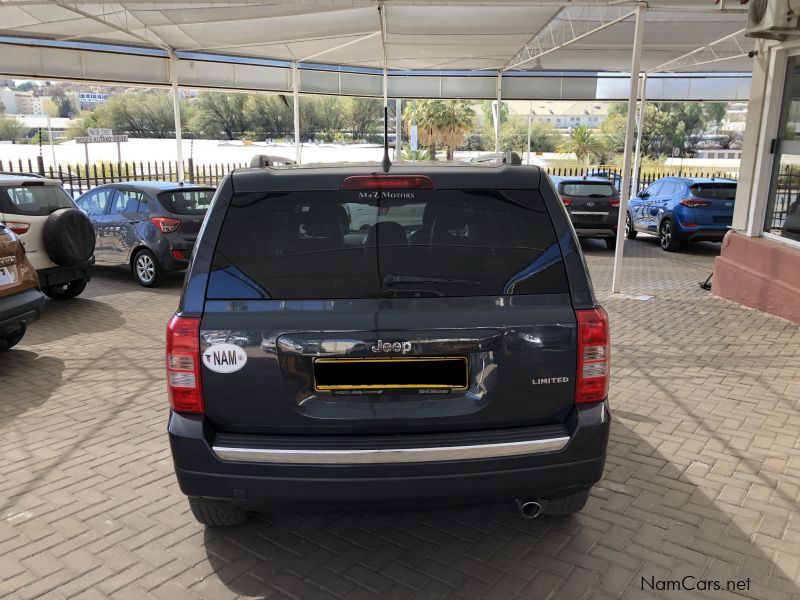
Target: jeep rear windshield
[
  {"x": 588, "y": 189},
  {"x": 367, "y": 244},
  {"x": 186, "y": 202},
  {"x": 714, "y": 191},
  {"x": 33, "y": 199}
]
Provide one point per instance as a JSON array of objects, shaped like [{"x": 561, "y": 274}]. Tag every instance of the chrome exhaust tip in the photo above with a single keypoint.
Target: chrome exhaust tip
[{"x": 529, "y": 509}]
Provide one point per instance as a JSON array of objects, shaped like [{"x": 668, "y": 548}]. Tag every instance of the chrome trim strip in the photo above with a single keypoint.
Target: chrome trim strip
[
  {"x": 587, "y": 212},
  {"x": 390, "y": 455}
]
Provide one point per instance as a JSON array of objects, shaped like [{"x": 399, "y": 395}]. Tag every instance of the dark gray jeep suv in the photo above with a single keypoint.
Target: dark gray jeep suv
[{"x": 352, "y": 339}]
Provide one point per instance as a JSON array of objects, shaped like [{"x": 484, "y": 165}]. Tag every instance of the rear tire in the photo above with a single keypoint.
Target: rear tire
[
  {"x": 146, "y": 269},
  {"x": 630, "y": 232},
  {"x": 215, "y": 513},
  {"x": 566, "y": 505},
  {"x": 9, "y": 341},
  {"x": 67, "y": 291},
  {"x": 611, "y": 243},
  {"x": 666, "y": 237}
]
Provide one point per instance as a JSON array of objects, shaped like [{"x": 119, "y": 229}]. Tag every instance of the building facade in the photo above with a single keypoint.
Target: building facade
[{"x": 759, "y": 265}]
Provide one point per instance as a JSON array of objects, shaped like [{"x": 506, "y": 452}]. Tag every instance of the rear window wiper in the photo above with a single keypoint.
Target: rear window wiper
[{"x": 390, "y": 280}]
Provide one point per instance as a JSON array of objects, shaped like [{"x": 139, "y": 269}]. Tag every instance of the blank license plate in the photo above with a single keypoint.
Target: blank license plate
[{"x": 446, "y": 373}]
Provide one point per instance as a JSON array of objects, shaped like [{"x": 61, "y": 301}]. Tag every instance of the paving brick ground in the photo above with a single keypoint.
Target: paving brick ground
[{"x": 702, "y": 480}]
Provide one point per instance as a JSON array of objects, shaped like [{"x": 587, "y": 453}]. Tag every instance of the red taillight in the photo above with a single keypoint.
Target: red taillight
[
  {"x": 178, "y": 255},
  {"x": 387, "y": 182},
  {"x": 566, "y": 201},
  {"x": 693, "y": 203},
  {"x": 165, "y": 225},
  {"x": 18, "y": 227},
  {"x": 183, "y": 365},
  {"x": 615, "y": 202},
  {"x": 594, "y": 352}
]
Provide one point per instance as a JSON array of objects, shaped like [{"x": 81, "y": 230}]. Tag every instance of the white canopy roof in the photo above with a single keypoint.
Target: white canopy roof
[{"x": 414, "y": 34}]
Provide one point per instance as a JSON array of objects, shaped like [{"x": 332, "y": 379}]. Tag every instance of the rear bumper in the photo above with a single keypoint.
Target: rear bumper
[
  {"x": 707, "y": 235},
  {"x": 596, "y": 231},
  {"x": 60, "y": 275},
  {"x": 492, "y": 466},
  {"x": 19, "y": 310}
]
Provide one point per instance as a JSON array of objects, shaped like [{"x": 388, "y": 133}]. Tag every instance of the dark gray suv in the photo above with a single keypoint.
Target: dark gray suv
[
  {"x": 352, "y": 339},
  {"x": 149, "y": 226}
]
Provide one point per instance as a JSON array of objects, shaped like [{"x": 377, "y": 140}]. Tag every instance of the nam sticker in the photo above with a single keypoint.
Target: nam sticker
[{"x": 224, "y": 358}]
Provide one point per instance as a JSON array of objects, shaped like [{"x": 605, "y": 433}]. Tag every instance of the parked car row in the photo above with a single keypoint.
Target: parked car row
[
  {"x": 49, "y": 242},
  {"x": 675, "y": 209}
]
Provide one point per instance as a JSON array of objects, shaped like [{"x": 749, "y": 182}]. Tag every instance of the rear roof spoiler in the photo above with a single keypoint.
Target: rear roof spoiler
[
  {"x": 259, "y": 161},
  {"x": 504, "y": 158}
]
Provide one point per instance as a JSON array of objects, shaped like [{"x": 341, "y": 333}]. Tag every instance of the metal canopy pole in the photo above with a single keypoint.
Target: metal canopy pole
[
  {"x": 530, "y": 116},
  {"x": 176, "y": 110},
  {"x": 626, "y": 163},
  {"x": 296, "y": 99},
  {"x": 637, "y": 163},
  {"x": 498, "y": 112}
]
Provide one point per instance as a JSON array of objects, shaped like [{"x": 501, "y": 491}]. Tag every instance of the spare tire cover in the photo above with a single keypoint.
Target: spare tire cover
[{"x": 69, "y": 237}]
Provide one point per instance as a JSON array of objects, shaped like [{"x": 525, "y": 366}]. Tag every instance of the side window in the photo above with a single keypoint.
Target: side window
[
  {"x": 668, "y": 189},
  {"x": 655, "y": 189},
  {"x": 127, "y": 201},
  {"x": 94, "y": 203}
]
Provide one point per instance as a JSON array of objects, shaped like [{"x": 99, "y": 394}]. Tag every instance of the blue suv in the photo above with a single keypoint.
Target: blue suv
[{"x": 682, "y": 209}]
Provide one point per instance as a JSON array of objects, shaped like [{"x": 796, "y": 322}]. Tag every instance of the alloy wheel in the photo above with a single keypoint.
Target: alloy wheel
[
  {"x": 666, "y": 234},
  {"x": 145, "y": 268}
]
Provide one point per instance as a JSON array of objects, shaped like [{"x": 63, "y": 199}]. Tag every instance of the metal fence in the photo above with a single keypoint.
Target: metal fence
[{"x": 80, "y": 178}]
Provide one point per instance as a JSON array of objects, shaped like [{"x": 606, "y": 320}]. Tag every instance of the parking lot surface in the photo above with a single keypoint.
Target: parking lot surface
[{"x": 702, "y": 481}]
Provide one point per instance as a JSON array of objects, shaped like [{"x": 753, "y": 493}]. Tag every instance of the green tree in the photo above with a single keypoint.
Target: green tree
[
  {"x": 583, "y": 143},
  {"x": 667, "y": 125},
  {"x": 63, "y": 102},
  {"x": 215, "y": 113},
  {"x": 11, "y": 128},
  {"x": 441, "y": 123},
  {"x": 139, "y": 114},
  {"x": 269, "y": 116},
  {"x": 514, "y": 136},
  {"x": 362, "y": 116}
]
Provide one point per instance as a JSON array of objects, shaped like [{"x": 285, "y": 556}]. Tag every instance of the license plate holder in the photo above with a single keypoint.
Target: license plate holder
[
  {"x": 7, "y": 276},
  {"x": 423, "y": 373}
]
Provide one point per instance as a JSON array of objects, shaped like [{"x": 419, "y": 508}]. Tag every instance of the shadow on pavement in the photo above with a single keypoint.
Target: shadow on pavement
[
  {"x": 112, "y": 280},
  {"x": 644, "y": 521},
  {"x": 27, "y": 380},
  {"x": 64, "y": 318}
]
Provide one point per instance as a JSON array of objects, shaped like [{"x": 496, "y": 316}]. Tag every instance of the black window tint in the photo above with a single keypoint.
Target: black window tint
[
  {"x": 588, "y": 189},
  {"x": 326, "y": 245},
  {"x": 715, "y": 191},
  {"x": 94, "y": 203},
  {"x": 127, "y": 201},
  {"x": 187, "y": 202},
  {"x": 33, "y": 199}
]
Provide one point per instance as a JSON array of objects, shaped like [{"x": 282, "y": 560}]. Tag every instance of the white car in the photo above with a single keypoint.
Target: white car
[{"x": 58, "y": 237}]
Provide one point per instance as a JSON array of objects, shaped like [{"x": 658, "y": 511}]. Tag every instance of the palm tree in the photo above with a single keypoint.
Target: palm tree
[
  {"x": 583, "y": 143},
  {"x": 440, "y": 122}
]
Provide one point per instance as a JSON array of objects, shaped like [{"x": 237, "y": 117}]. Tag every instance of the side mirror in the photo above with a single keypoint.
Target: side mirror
[{"x": 644, "y": 195}]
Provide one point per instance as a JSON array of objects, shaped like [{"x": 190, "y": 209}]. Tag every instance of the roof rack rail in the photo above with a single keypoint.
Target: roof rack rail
[
  {"x": 259, "y": 161},
  {"x": 22, "y": 174},
  {"x": 503, "y": 158}
]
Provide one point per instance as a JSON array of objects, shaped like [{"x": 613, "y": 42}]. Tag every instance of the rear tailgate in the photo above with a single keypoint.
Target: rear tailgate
[
  {"x": 341, "y": 298},
  {"x": 716, "y": 202},
  {"x": 590, "y": 202}
]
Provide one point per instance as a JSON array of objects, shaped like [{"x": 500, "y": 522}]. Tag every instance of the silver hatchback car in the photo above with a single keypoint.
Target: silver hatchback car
[{"x": 148, "y": 226}]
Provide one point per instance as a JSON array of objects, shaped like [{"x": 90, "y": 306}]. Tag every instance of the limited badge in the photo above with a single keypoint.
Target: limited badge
[{"x": 224, "y": 358}]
